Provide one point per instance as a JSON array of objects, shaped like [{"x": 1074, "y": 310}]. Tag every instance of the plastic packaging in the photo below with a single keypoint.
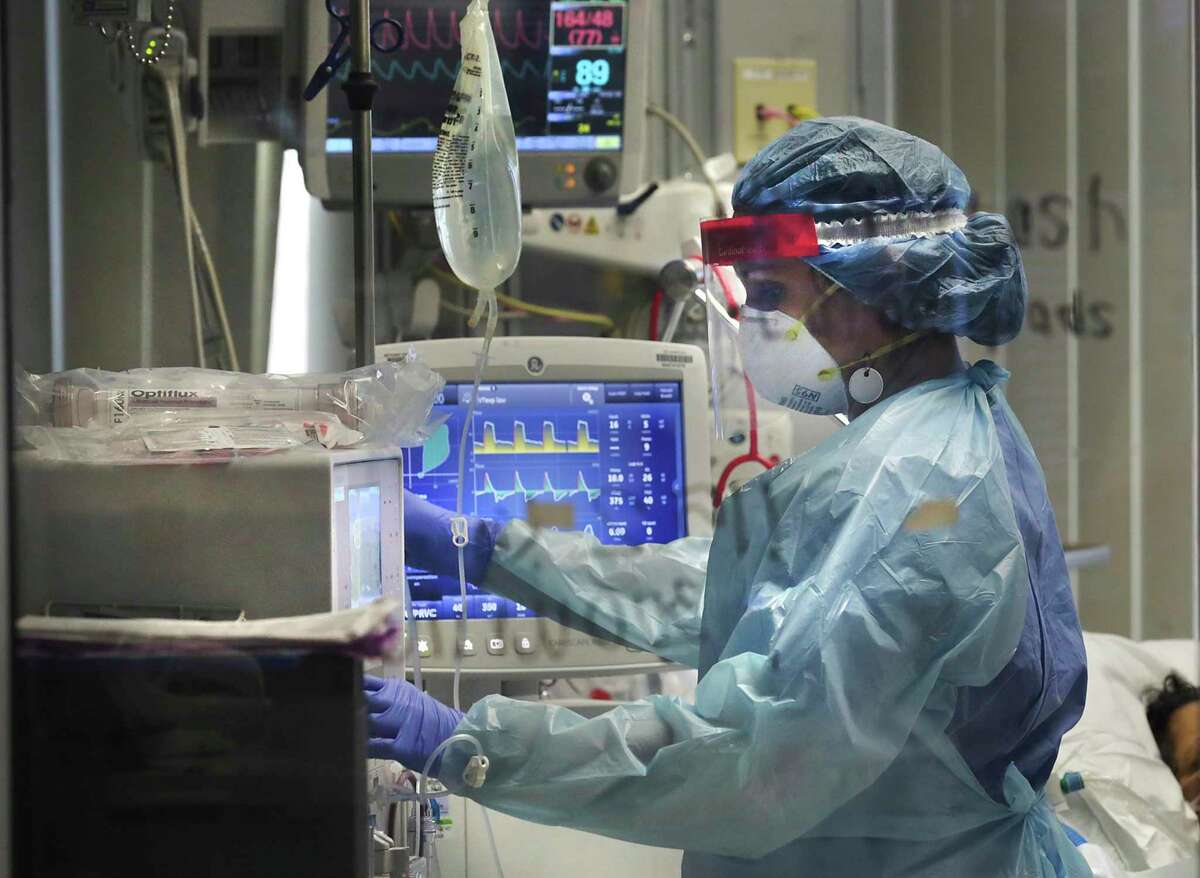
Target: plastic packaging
[
  {"x": 476, "y": 185},
  {"x": 176, "y": 438},
  {"x": 171, "y": 414}
]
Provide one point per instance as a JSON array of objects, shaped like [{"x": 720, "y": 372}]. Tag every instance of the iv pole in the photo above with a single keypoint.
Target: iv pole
[{"x": 360, "y": 87}]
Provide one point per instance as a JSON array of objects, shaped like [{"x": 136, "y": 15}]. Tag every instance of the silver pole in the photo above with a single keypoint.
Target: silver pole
[{"x": 364, "y": 183}]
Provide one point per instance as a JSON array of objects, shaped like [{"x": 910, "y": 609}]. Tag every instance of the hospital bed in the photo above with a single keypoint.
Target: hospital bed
[{"x": 1131, "y": 810}]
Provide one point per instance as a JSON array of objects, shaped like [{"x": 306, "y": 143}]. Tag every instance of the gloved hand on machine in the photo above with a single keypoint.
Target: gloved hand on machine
[{"x": 403, "y": 722}]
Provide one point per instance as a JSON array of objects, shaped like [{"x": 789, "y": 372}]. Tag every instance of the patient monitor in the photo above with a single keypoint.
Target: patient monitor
[
  {"x": 575, "y": 72},
  {"x": 604, "y": 436}
]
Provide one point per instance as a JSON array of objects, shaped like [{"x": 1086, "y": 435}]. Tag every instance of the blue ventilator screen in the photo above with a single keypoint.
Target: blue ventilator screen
[{"x": 603, "y": 458}]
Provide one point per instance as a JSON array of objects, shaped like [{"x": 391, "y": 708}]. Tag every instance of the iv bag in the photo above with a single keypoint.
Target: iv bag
[{"x": 476, "y": 187}]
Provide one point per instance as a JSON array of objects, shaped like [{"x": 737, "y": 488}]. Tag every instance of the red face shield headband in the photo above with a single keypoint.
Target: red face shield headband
[{"x": 758, "y": 238}]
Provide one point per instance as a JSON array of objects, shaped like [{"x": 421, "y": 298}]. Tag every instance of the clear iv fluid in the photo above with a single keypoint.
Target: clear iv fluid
[{"x": 476, "y": 186}]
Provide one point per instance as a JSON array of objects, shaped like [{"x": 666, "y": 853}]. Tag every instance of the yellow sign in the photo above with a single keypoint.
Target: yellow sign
[{"x": 770, "y": 95}]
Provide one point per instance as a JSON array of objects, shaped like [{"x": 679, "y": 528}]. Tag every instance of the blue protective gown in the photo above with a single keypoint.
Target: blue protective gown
[{"x": 888, "y": 654}]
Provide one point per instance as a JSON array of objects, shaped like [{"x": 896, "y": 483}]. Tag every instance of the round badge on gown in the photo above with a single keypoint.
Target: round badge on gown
[{"x": 865, "y": 385}]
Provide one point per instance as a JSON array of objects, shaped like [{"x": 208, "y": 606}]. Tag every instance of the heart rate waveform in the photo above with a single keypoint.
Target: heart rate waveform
[
  {"x": 549, "y": 444},
  {"x": 441, "y": 69},
  {"x": 430, "y": 34},
  {"x": 547, "y": 489}
]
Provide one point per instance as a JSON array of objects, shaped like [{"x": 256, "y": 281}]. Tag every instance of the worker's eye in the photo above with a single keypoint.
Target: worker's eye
[{"x": 764, "y": 295}]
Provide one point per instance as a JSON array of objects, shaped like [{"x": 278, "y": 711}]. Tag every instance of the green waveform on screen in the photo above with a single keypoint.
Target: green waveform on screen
[{"x": 547, "y": 489}]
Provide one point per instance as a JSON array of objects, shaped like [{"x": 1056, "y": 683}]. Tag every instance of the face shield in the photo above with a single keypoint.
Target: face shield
[
  {"x": 760, "y": 330},
  {"x": 749, "y": 335}
]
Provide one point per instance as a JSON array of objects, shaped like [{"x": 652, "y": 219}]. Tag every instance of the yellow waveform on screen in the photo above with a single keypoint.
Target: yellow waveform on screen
[{"x": 549, "y": 444}]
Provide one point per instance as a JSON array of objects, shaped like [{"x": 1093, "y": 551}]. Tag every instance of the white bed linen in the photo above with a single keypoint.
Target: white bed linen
[{"x": 1131, "y": 806}]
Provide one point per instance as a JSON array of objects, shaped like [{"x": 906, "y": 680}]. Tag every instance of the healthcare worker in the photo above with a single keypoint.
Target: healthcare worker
[{"x": 888, "y": 649}]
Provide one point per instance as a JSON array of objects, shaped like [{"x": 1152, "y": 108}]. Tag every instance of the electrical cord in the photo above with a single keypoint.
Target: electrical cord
[
  {"x": 195, "y": 237},
  {"x": 467, "y": 312},
  {"x": 218, "y": 297},
  {"x": 693, "y": 145},
  {"x": 170, "y": 80},
  {"x": 560, "y": 313},
  {"x": 517, "y": 305},
  {"x": 530, "y": 308}
]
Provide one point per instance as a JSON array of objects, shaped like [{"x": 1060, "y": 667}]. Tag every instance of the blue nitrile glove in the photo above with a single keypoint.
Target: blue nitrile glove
[
  {"x": 428, "y": 544},
  {"x": 405, "y": 724}
]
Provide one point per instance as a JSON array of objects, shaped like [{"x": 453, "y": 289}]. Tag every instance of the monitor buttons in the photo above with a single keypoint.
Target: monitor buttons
[
  {"x": 524, "y": 644},
  {"x": 466, "y": 646},
  {"x": 495, "y": 646},
  {"x": 424, "y": 650}
]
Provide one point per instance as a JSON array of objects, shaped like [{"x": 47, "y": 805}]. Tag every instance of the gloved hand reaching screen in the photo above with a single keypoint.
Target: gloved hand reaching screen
[
  {"x": 405, "y": 724},
  {"x": 428, "y": 542}
]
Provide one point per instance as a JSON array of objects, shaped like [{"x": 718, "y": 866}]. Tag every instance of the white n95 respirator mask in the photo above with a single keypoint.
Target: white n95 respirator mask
[{"x": 787, "y": 365}]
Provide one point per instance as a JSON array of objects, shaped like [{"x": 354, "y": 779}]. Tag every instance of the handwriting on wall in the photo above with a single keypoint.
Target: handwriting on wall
[
  {"x": 1045, "y": 220},
  {"x": 1079, "y": 317}
]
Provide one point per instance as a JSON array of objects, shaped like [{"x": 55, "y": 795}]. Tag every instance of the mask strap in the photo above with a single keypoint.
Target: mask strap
[
  {"x": 794, "y": 332},
  {"x": 827, "y": 374}
]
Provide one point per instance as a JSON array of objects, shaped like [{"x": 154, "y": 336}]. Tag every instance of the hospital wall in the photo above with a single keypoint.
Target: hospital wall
[{"x": 1072, "y": 118}]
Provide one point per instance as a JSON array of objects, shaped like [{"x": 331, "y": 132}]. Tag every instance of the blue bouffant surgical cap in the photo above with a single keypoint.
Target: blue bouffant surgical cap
[{"x": 967, "y": 281}]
